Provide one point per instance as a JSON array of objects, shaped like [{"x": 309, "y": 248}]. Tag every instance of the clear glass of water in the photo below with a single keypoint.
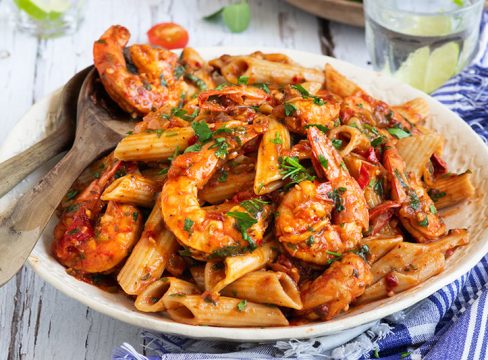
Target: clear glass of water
[
  {"x": 48, "y": 18},
  {"x": 422, "y": 42}
]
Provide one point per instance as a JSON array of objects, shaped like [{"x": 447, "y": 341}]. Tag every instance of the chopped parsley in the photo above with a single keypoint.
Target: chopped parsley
[
  {"x": 243, "y": 222},
  {"x": 414, "y": 200},
  {"x": 363, "y": 251},
  {"x": 223, "y": 176},
  {"x": 377, "y": 141},
  {"x": 305, "y": 94},
  {"x": 398, "y": 132},
  {"x": 196, "y": 81},
  {"x": 183, "y": 114},
  {"x": 178, "y": 72},
  {"x": 322, "y": 128},
  {"x": 163, "y": 171},
  {"x": 263, "y": 86},
  {"x": 193, "y": 148},
  {"x": 187, "y": 226},
  {"x": 378, "y": 187},
  {"x": 424, "y": 222},
  {"x": 432, "y": 209},
  {"x": 292, "y": 169},
  {"x": 71, "y": 194},
  {"x": 400, "y": 179},
  {"x": 290, "y": 109},
  {"x": 277, "y": 139},
  {"x": 163, "y": 81},
  {"x": 227, "y": 251},
  {"x": 241, "y": 306},
  {"x": 222, "y": 148},
  {"x": 253, "y": 206},
  {"x": 335, "y": 195},
  {"x": 135, "y": 215},
  {"x": 323, "y": 161},
  {"x": 337, "y": 143},
  {"x": 243, "y": 80},
  {"x": 310, "y": 241},
  {"x": 202, "y": 131},
  {"x": 435, "y": 194}
]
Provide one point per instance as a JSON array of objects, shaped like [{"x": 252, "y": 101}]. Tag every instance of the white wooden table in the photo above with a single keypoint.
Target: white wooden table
[{"x": 37, "y": 321}]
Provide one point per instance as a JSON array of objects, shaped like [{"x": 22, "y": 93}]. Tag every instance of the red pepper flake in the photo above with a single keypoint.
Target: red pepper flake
[{"x": 391, "y": 280}]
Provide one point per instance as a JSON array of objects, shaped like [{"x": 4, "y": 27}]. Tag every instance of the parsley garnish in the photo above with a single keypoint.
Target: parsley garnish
[
  {"x": 182, "y": 114},
  {"x": 414, "y": 200},
  {"x": 222, "y": 148},
  {"x": 337, "y": 143},
  {"x": 400, "y": 179},
  {"x": 243, "y": 222},
  {"x": 196, "y": 81},
  {"x": 277, "y": 139},
  {"x": 424, "y": 222},
  {"x": 135, "y": 215},
  {"x": 71, "y": 194},
  {"x": 398, "y": 133},
  {"x": 223, "y": 176},
  {"x": 253, "y": 206},
  {"x": 242, "y": 80},
  {"x": 263, "y": 86},
  {"x": 163, "y": 81},
  {"x": 178, "y": 72},
  {"x": 193, "y": 148},
  {"x": 291, "y": 168},
  {"x": 202, "y": 131},
  {"x": 188, "y": 225},
  {"x": 435, "y": 194},
  {"x": 363, "y": 251},
  {"x": 163, "y": 171},
  {"x": 290, "y": 109},
  {"x": 241, "y": 306},
  {"x": 323, "y": 161},
  {"x": 335, "y": 195},
  {"x": 310, "y": 240},
  {"x": 322, "y": 128},
  {"x": 305, "y": 94},
  {"x": 433, "y": 210},
  {"x": 377, "y": 141}
]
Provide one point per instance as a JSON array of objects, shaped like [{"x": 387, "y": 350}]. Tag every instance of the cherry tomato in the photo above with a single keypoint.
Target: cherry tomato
[{"x": 168, "y": 35}]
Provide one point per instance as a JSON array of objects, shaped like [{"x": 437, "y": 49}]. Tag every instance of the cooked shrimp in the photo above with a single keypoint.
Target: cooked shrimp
[
  {"x": 417, "y": 213},
  {"x": 86, "y": 243},
  {"x": 232, "y": 97},
  {"x": 317, "y": 220},
  {"x": 143, "y": 89},
  {"x": 194, "y": 227},
  {"x": 333, "y": 291},
  {"x": 301, "y": 111}
]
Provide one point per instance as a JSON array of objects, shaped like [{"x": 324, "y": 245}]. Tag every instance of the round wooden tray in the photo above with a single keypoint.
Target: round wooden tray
[{"x": 343, "y": 11}]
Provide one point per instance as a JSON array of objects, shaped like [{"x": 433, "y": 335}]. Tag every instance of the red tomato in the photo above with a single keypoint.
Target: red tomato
[{"x": 168, "y": 35}]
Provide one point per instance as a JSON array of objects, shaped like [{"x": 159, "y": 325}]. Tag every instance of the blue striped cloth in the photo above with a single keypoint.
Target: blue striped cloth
[{"x": 450, "y": 324}]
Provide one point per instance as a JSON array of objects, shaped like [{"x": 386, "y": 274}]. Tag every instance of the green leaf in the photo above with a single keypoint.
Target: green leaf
[
  {"x": 202, "y": 131},
  {"x": 193, "y": 148},
  {"x": 254, "y": 206},
  {"x": 237, "y": 16},
  {"x": 323, "y": 161},
  {"x": 322, "y": 128},
  {"x": 243, "y": 80},
  {"x": 398, "y": 133},
  {"x": 243, "y": 222},
  {"x": 263, "y": 86},
  {"x": 71, "y": 194},
  {"x": 196, "y": 81},
  {"x": 242, "y": 305},
  {"x": 289, "y": 109},
  {"x": 424, "y": 222},
  {"x": 277, "y": 139},
  {"x": 337, "y": 143},
  {"x": 214, "y": 16},
  {"x": 188, "y": 225}
]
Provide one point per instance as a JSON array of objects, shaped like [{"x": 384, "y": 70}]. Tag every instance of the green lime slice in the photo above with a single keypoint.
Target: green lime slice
[
  {"x": 43, "y": 9},
  {"x": 412, "y": 71},
  {"x": 442, "y": 65}
]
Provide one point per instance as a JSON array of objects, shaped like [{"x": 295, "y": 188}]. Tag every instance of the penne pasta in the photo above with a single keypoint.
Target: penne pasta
[
  {"x": 268, "y": 173},
  {"x": 281, "y": 290},
  {"x": 198, "y": 275},
  {"x": 149, "y": 257},
  {"x": 338, "y": 83},
  {"x": 379, "y": 245},
  {"x": 450, "y": 190},
  {"x": 220, "y": 190},
  {"x": 356, "y": 140},
  {"x": 154, "y": 146},
  {"x": 132, "y": 189},
  {"x": 225, "y": 311},
  {"x": 416, "y": 151},
  {"x": 264, "y": 71},
  {"x": 415, "y": 110},
  {"x": 219, "y": 274},
  {"x": 159, "y": 296}
]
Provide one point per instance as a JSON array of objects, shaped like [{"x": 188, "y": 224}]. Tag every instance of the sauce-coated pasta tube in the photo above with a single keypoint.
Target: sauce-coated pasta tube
[
  {"x": 160, "y": 294},
  {"x": 416, "y": 151},
  {"x": 132, "y": 189},
  {"x": 415, "y": 110},
  {"x": 450, "y": 190},
  {"x": 268, "y": 174},
  {"x": 280, "y": 290},
  {"x": 338, "y": 84},
  {"x": 153, "y": 146},
  {"x": 225, "y": 311},
  {"x": 225, "y": 189},
  {"x": 379, "y": 245},
  {"x": 219, "y": 274},
  {"x": 148, "y": 260},
  {"x": 264, "y": 71}
]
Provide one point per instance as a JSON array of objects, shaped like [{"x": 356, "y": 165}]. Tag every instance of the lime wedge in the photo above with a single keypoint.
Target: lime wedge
[
  {"x": 442, "y": 65},
  {"x": 43, "y": 9},
  {"x": 437, "y": 25},
  {"x": 412, "y": 71}
]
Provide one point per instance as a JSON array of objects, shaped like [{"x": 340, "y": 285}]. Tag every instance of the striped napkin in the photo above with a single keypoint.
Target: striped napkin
[{"x": 450, "y": 324}]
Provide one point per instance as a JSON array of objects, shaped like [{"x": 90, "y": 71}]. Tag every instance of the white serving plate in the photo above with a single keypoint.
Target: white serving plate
[{"x": 464, "y": 150}]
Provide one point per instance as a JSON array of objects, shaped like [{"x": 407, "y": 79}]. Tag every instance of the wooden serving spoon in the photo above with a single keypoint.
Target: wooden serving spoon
[
  {"x": 96, "y": 132},
  {"x": 15, "y": 169}
]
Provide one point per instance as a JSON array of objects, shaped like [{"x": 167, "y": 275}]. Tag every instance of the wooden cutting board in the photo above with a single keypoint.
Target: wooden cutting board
[{"x": 343, "y": 11}]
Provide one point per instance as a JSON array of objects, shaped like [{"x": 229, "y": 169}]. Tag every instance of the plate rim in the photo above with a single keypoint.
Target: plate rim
[{"x": 274, "y": 333}]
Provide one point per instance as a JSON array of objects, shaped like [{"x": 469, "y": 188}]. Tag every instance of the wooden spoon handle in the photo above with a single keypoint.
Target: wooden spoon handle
[
  {"x": 15, "y": 169},
  {"x": 20, "y": 230}
]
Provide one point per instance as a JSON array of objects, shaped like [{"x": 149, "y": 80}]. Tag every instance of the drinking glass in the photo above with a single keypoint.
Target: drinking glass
[
  {"x": 422, "y": 42},
  {"x": 48, "y": 18}
]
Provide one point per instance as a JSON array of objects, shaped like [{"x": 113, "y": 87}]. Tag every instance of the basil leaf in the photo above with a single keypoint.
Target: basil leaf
[{"x": 237, "y": 17}]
